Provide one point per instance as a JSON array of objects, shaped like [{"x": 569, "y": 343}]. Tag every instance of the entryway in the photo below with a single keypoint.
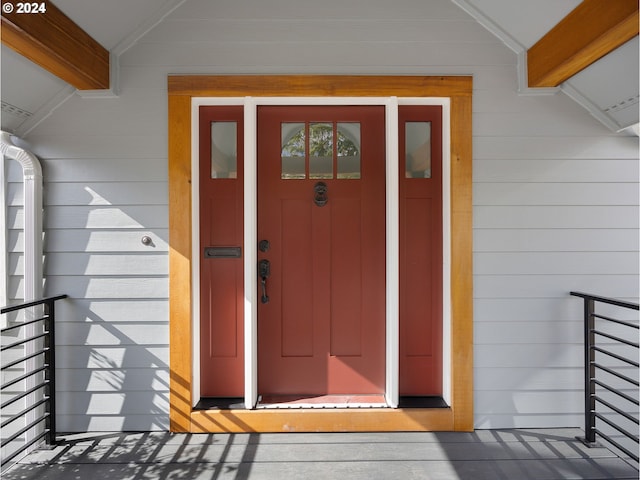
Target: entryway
[
  {"x": 328, "y": 227},
  {"x": 187, "y": 96}
]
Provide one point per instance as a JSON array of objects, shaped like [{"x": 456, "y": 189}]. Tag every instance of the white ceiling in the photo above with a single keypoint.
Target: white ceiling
[{"x": 608, "y": 89}]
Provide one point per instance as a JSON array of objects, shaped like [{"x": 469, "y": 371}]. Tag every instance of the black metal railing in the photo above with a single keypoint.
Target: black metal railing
[
  {"x": 38, "y": 376},
  {"x": 611, "y": 356}
]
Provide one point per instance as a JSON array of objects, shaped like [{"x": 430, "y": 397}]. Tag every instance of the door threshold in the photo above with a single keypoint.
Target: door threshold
[
  {"x": 220, "y": 403},
  {"x": 320, "y": 401}
]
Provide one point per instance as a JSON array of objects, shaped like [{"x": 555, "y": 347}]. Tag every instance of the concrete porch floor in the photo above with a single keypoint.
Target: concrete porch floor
[{"x": 536, "y": 454}]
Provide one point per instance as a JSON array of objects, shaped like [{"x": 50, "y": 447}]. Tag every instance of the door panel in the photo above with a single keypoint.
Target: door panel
[
  {"x": 322, "y": 332},
  {"x": 221, "y": 279},
  {"x": 420, "y": 250},
  {"x": 346, "y": 278}
]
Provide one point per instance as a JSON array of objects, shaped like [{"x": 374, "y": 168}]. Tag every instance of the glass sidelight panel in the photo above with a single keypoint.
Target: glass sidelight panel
[
  {"x": 349, "y": 150},
  {"x": 418, "y": 149},
  {"x": 224, "y": 150},
  {"x": 293, "y": 151},
  {"x": 320, "y": 150}
]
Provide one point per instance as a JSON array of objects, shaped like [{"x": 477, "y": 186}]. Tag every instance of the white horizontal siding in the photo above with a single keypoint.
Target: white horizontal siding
[
  {"x": 106, "y": 193},
  {"x": 527, "y": 408},
  {"x": 510, "y": 379},
  {"x": 555, "y": 240},
  {"x": 513, "y": 333},
  {"x": 117, "y": 169},
  {"x": 554, "y": 286},
  {"x": 550, "y": 171},
  {"x": 110, "y": 423},
  {"x": 331, "y": 10},
  {"x": 549, "y": 216},
  {"x": 558, "y": 263},
  {"x": 112, "y": 380},
  {"x": 331, "y": 54},
  {"x": 134, "y": 403},
  {"x": 113, "y": 357},
  {"x": 553, "y": 212},
  {"x": 555, "y": 202},
  {"x": 107, "y": 334},
  {"x": 75, "y": 240},
  {"x": 523, "y": 355},
  {"x": 15, "y": 250},
  {"x": 107, "y": 217},
  {"x": 120, "y": 287},
  {"x": 113, "y": 310},
  {"x": 359, "y": 29},
  {"x": 554, "y": 194},
  {"x": 112, "y": 264},
  {"x": 103, "y": 146},
  {"x": 556, "y": 147},
  {"x": 532, "y": 309}
]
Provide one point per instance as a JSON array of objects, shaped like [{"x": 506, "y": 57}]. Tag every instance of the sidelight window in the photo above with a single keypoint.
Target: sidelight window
[
  {"x": 224, "y": 150},
  {"x": 418, "y": 149}
]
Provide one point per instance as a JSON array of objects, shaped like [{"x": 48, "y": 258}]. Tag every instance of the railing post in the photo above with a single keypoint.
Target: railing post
[
  {"x": 589, "y": 371},
  {"x": 50, "y": 373}
]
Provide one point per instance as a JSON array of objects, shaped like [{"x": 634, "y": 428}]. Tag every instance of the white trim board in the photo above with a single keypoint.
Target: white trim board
[{"x": 391, "y": 104}]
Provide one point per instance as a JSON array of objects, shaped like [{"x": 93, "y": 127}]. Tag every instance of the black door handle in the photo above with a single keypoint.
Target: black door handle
[{"x": 264, "y": 270}]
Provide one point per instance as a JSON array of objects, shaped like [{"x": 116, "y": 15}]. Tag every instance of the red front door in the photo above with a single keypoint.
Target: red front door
[{"x": 321, "y": 227}]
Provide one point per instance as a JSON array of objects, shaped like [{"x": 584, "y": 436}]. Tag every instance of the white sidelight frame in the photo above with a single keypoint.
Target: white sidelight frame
[{"x": 391, "y": 104}]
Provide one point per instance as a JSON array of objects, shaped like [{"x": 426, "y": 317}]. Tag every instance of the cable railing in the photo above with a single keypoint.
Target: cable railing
[
  {"x": 611, "y": 373},
  {"x": 28, "y": 378}
]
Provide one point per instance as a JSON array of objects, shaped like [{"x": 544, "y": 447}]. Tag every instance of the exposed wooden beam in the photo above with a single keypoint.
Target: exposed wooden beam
[
  {"x": 593, "y": 29},
  {"x": 53, "y": 41}
]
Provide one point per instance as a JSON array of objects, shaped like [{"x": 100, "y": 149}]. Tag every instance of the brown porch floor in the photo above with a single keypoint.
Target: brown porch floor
[{"x": 540, "y": 454}]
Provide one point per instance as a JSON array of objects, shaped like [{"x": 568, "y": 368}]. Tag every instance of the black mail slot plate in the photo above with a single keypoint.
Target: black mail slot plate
[{"x": 222, "y": 252}]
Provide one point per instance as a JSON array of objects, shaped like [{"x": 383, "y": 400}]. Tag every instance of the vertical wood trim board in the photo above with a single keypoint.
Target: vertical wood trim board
[
  {"x": 180, "y": 263},
  {"x": 181, "y": 89}
]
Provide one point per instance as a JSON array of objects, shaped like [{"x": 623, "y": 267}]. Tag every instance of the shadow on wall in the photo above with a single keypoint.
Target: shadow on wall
[
  {"x": 110, "y": 382},
  {"x": 112, "y": 333}
]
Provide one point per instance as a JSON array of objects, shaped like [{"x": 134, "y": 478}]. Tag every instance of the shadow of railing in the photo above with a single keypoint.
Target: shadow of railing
[{"x": 143, "y": 455}]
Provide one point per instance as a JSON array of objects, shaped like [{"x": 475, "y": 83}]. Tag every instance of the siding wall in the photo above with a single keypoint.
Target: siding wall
[
  {"x": 556, "y": 202},
  {"x": 12, "y": 292}
]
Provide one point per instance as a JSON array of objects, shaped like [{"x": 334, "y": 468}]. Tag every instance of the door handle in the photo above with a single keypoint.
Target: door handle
[{"x": 264, "y": 270}]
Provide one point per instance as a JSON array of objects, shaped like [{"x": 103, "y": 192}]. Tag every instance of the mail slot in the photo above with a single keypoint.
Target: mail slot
[{"x": 222, "y": 252}]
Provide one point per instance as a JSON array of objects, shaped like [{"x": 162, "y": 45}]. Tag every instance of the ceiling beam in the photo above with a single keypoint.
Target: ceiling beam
[
  {"x": 592, "y": 30},
  {"x": 56, "y": 43}
]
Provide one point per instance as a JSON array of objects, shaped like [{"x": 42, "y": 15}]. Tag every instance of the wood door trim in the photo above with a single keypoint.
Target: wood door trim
[{"x": 181, "y": 89}]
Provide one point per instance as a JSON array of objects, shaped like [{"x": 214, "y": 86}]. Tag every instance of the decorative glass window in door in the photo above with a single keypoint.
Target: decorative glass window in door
[
  {"x": 294, "y": 148},
  {"x": 320, "y": 150},
  {"x": 316, "y": 150},
  {"x": 349, "y": 150}
]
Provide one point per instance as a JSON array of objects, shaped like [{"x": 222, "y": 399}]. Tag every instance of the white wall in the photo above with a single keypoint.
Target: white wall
[{"x": 555, "y": 206}]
